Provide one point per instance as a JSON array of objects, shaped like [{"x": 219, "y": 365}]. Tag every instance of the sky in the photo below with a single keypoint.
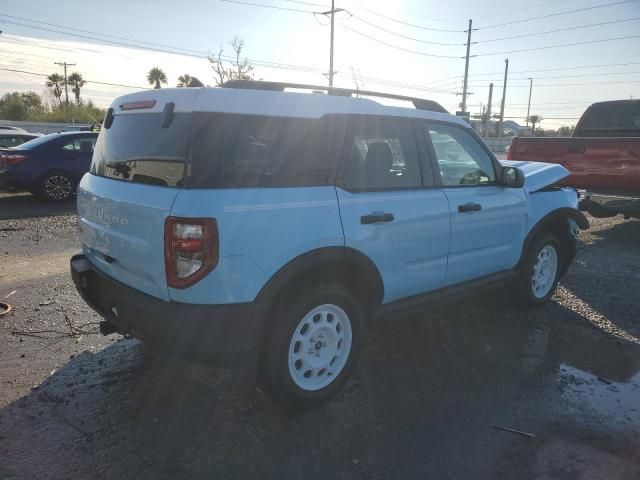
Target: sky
[{"x": 409, "y": 47}]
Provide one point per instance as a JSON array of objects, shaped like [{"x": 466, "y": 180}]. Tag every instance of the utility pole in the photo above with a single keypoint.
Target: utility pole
[
  {"x": 529, "y": 104},
  {"x": 487, "y": 118},
  {"x": 504, "y": 96},
  {"x": 332, "y": 12},
  {"x": 66, "y": 87},
  {"x": 463, "y": 106}
]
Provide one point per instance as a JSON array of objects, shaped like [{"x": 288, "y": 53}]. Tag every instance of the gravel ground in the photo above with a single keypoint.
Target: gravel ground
[{"x": 424, "y": 403}]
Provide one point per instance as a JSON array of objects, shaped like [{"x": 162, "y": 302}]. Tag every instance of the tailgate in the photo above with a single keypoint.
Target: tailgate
[{"x": 122, "y": 230}]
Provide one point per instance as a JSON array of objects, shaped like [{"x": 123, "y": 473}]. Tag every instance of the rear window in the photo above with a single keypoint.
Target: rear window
[
  {"x": 234, "y": 151},
  {"x": 136, "y": 148},
  {"x": 611, "y": 119}
]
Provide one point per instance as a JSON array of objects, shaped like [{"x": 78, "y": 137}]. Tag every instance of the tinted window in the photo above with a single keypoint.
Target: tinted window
[
  {"x": 231, "y": 151},
  {"x": 461, "y": 159},
  {"x": 380, "y": 154},
  {"x": 82, "y": 145},
  {"x": 137, "y": 149},
  {"x": 621, "y": 118}
]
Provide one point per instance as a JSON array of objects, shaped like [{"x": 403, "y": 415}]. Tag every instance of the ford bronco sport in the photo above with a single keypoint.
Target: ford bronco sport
[{"x": 253, "y": 222}]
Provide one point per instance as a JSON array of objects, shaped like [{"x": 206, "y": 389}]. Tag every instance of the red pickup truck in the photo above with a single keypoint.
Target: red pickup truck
[{"x": 603, "y": 156}]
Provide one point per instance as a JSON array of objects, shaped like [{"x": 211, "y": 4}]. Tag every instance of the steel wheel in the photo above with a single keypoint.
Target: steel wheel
[
  {"x": 544, "y": 271},
  {"x": 58, "y": 187},
  {"x": 320, "y": 347}
]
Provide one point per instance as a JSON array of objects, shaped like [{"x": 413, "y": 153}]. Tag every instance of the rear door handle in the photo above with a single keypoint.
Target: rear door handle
[
  {"x": 375, "y": 218},
  {"x": 469, "y": 207}
]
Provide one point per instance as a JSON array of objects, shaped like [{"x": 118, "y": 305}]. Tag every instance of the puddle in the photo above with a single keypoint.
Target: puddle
[{"x": 619, "y": 402}]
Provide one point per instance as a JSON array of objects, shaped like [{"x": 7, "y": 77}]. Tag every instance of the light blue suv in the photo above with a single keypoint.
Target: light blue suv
[{"x": 256, "y": 225}]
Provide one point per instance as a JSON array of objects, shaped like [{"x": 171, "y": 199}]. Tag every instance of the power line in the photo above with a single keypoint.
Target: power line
[
  {"x": 396, "y": 46},
  {"x": 88, "y": 81},
  {"x": 566, "y": 12},
  {"x": 576, "y": 76},
  {"x": 563, "y": 68},
  {"x": 558, "y": 30},
  {"x": 422, "y": 27},
  {"x": 567, "y": 84},
  {"x": 547, "y": 47},
  {"x": 201, "y": 55},
  {"x": 100, "y": 34},
  {"x": 307, "y": 3},
  {"x": 262, "y": 5},
  {"x": 367, "y": 22}
]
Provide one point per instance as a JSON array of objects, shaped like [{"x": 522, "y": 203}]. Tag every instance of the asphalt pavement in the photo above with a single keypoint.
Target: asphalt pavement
[{"x": 475, "y": 391}]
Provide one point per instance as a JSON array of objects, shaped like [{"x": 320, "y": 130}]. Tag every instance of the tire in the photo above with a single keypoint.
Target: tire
[
  {"x": 540, "y": 271},
  {"x": 314, "y": 346},
  {"x": 57, "y": 186}
]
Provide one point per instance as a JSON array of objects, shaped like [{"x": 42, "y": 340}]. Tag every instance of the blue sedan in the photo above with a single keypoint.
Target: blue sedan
[{"x": 50, "y": 166}]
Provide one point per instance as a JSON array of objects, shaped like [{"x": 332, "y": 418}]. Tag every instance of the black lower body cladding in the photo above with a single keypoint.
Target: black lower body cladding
[{"x": 225, "y": 334}]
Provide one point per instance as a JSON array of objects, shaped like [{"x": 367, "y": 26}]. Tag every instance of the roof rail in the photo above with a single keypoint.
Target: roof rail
[{"x": 419, "y": 103}]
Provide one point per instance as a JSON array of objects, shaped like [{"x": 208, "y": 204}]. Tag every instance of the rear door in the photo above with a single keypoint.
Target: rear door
[
  {"x": 389, "y": 210},
  {"x": 487, "y": 219},
  {"x": 77, "y": 152},
  {"x": 137, "y": 167}
]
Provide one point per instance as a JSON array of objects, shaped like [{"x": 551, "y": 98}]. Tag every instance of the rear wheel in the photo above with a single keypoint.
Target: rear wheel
[
  {"x": 57, "y": 186},
  {"x": 316, "y": 340},
  {"x": 540, "y": 271}
]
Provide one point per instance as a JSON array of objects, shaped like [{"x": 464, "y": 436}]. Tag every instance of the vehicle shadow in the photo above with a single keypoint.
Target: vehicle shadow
[
  {"x": 430, "y": 386},
  {"x": 15, "y": 206}
]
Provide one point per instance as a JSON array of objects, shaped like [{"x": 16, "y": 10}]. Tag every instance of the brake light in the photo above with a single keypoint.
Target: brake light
[
  {"x": 510, "y": 149},
  {"x": 138, "y": 105},
  {"x": 12, "y": 159},
  {"x": 191, "y": 250}
]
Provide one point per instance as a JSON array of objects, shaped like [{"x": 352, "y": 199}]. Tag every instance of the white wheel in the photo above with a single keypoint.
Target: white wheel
[
  {"x": 545, "y": 270},
  {"x": 320, "y": 347}
]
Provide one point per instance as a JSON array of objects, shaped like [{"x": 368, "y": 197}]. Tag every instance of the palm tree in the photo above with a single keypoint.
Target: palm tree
[
  {"x": 534, "y": 119},
  {"x": 156, "y": 76},
  {"x": 55, "y": 82},
  {"x": 184, "y": 80},
  {"x": 76, "y": 82},
  {"x": 187, "y": 80}
]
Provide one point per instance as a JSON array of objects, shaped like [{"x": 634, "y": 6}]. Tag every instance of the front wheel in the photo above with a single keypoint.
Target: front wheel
[
  {"x": 540, "y": 271},
  {"x": 315, "y": 343}
]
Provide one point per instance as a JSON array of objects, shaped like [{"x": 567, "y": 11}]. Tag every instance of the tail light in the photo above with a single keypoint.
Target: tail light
[
  {"x": 191, "y": 250},
  {"x": 11, "y": 159},
  {"x": 510, "y": 149}
]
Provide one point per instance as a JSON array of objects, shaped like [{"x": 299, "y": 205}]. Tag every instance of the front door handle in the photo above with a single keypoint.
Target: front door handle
[
  {"x": 469, "y": 207},
  {"x": 375, "y": 218}
]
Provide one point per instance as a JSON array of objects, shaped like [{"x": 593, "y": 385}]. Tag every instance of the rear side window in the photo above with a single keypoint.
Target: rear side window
[
  {"x": 235, "y": 151},
  {"x": 82, "y": 145},
  {"x": 380, "y": 154},
  {"x": 136, "y": 148},
  {"x": 611, "y": 119}
]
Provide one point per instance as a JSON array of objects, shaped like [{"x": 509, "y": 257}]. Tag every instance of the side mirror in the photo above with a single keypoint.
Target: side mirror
[{"x": 512, "y": 177}]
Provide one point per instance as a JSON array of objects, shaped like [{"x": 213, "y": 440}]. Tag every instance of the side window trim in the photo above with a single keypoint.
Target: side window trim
[
  {"x": 434, "y": 158},
  {"x": 345, "y": 152}
]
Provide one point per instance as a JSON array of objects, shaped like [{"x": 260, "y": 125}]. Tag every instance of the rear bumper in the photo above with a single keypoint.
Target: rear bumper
[{"x": 223, "y": 333}]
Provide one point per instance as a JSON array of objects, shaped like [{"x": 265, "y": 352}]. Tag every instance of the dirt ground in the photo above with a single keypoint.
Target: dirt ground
[{"x": 428, "y": 400}]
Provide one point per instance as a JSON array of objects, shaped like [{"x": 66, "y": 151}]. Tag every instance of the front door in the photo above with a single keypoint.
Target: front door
[
  {"x": 389, "y": 210},
  {"x": 487, "y": 219}
]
